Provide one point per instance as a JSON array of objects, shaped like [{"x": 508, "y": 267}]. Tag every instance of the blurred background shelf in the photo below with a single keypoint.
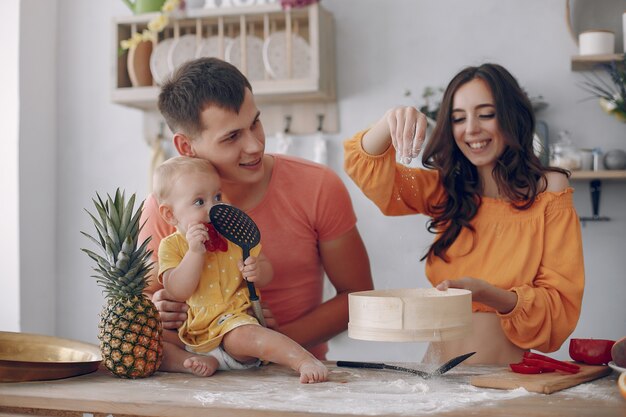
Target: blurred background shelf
[
  {"x": 599, "y": 175},
  {"x": 588, "y": 62}
]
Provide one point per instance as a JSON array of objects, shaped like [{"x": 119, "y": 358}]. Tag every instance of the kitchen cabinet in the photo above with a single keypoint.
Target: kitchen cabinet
[{"x": 275, "y": 391}]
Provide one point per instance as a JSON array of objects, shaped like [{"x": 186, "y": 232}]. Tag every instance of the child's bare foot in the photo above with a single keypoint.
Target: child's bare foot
[
  {"x": 312, "y": 371},
  {"x": 201, "y": 365}
]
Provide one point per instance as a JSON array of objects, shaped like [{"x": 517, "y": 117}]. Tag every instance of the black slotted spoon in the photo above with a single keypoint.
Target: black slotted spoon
[{"x": 236, "y": 226}]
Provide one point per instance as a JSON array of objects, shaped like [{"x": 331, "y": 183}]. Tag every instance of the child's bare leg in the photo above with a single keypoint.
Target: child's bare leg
[
  {"x": 177, "y": 359},
  {"x": 252, "y": 341}
]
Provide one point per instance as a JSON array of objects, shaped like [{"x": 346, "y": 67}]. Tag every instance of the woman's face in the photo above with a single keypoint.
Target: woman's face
[
  {"x": 233, "y": 142},
  {"x": 475, "y": 125}
]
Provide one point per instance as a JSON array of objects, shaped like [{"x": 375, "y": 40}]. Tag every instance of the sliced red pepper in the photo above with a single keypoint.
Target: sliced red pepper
[
  {"x": 557, "y": 364},
  {"x": 522, "y": 368}
]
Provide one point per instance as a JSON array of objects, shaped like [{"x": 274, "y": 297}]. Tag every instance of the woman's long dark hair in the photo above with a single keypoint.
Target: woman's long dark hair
[{"x": 519, "y": 174}]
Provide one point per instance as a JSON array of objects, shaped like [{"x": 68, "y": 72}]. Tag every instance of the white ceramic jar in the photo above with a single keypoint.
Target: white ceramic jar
[{"x": 596, "y": 42}]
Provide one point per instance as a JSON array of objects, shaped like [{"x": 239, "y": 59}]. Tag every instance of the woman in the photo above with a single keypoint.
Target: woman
[{"x": 506, "y": 228}]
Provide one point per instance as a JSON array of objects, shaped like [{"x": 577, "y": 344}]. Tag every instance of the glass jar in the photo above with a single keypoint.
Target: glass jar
[{"x": 563, "y": 154}]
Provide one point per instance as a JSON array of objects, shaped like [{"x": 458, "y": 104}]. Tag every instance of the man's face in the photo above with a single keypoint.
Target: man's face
[{"x": 233, "y": 142}]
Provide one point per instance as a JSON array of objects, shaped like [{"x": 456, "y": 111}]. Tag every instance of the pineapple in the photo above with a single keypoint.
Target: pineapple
[{"x": 130, "y": 326}]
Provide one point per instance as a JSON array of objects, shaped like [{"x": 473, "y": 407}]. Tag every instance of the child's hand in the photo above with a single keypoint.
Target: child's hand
[
  {"x": 249, "y": 269},
  {"x": 196, "y": 236}
]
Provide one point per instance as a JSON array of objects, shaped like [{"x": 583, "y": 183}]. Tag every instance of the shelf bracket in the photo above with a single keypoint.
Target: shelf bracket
[{"x": 595, "y": 187}]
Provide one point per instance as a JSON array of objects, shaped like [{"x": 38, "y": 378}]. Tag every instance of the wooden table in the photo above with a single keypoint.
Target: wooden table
[{"x": 276, "y": 391}]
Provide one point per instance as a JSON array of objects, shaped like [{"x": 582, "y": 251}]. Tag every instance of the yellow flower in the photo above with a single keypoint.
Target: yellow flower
[
  {"x": 170, "y": 6},
  {"x": 155, "y": 26},
  {"x": 606, "y": 105},
  {"x": 158, "y": 23}
]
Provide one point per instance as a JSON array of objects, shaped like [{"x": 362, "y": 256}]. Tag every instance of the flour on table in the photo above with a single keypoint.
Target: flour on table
[{"x": 350, "y": 392}]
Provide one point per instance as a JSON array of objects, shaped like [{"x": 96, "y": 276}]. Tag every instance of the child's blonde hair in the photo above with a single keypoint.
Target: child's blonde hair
[{"x": 166, "y": 174}]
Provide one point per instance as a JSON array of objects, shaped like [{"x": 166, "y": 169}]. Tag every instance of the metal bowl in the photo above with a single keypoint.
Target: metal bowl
[{"x": 35, "y": 357}]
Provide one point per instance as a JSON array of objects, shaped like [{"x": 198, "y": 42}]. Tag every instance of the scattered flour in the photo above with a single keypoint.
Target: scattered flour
[{"x": 348, "y": 392}]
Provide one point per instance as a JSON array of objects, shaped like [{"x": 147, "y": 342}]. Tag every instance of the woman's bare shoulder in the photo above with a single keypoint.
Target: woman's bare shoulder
[{"x": 556, "y": 181}]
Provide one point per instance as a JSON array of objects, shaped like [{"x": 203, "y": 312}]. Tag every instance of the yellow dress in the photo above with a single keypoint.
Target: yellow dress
[{"x": 221, "y": 300}]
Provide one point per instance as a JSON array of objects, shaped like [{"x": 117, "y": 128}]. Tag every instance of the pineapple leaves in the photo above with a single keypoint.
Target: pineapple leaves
[
  {"x": 126, "y": 215},
  {"x": 123, "y": 268}
]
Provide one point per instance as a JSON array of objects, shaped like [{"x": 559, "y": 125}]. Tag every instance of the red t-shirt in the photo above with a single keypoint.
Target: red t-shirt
[{"x": 304, "y": 203}]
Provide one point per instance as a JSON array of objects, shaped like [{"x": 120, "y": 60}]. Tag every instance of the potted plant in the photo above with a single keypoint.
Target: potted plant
[{"x": 611, "y": 94}]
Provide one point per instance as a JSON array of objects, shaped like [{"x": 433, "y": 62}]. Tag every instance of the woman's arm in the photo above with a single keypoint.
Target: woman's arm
[{"x": 502, "y": 301}]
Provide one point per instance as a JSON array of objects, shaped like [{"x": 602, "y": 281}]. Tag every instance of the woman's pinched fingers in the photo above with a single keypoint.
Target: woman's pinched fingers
[
  {"x": 420, "y": 135},
  {"x": 407, "y": 128}
]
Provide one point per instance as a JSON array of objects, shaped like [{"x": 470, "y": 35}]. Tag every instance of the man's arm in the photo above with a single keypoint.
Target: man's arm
[
  {"x": 347, "y": 266},
  {"x": 172, "y": 313}
]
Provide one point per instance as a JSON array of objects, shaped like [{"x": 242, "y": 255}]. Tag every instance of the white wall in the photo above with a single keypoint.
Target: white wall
[
  {"x": 9, "y": 217},
  {"x": 37, "y": 165},
  {"x": 382, "y": 49}
]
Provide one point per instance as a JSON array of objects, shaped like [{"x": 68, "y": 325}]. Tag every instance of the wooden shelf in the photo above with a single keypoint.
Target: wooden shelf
[
  {"x": 313, "y": 23},
  {"x": 599, "y": 175},
  {"x": 588, "y": 62}
]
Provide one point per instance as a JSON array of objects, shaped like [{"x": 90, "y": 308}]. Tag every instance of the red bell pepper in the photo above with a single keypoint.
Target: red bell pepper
[
  {"x": 534, "y": 363},
  {"x": 591, "y": 351}
]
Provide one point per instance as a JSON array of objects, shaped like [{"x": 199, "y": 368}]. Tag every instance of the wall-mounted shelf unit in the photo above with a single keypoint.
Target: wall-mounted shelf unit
[
  {"x": 312, "y": 23},
  {"x": 301, "y": 98},
  {"x": 595, "y": 179},
  {"x": 588, "y": 62}
]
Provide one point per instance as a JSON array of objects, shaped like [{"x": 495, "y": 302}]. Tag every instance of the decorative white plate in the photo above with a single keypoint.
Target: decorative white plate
[
  {"x": 254, "y": 56},
  {"x": 619, "y": 369},
  {"x": 159, "y": 66},
  {"x": 210, "y": 47},
  {"x": 275, "y": 56},
  {"x": 182, "y": 50}
]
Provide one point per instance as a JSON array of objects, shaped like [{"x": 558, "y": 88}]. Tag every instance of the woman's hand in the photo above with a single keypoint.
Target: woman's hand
[
  {"x": 173, "y": 313},
  {"x": 403, "y": 127},
  {"x": 483, "y": 292},
  {"x": 407, "y": 127}
]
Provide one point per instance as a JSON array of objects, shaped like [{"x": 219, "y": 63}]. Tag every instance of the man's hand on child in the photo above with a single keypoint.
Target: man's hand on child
[{"x": 173, "y": 313}]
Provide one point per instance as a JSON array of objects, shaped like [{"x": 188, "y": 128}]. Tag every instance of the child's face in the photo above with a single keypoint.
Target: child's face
[{"x": 192, "y": 196}]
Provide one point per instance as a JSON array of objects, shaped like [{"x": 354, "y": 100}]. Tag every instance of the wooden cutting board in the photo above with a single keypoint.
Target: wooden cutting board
[{"x": 541, "y": 383}]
